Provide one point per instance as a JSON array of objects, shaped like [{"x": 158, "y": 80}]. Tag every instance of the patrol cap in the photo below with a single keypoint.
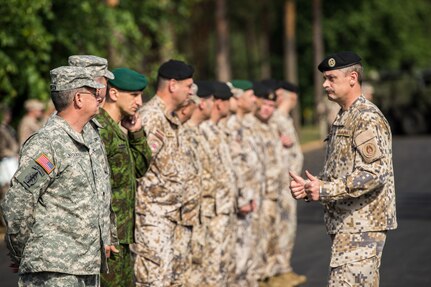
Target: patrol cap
[
  {"x": 175, "y": 69},
  {"x": 338, "y": 61},
  {"x": 33, "y": 105},
  {"x": 205, "y": 89},
  {"x": 97, "y": 65},
  {"x": 128, "y": 80},
  {"x": 263, "y": 92},
  {"x": 72, "y": 77},
  {"x": 221, "y": 91}
]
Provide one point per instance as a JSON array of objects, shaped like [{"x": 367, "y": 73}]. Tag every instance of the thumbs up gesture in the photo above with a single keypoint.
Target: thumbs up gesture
[
  {"x": 312, "y": 187},
  {"x": 297, "y": 186}
]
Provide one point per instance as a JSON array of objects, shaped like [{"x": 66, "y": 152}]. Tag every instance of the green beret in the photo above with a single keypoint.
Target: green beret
[
  {"x": 338, "y": 61},
  {"x": 128, "y": 80},
  {"x": 242, "y": 84}
]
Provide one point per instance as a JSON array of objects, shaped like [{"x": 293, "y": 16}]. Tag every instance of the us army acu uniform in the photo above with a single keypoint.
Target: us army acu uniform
[
  {"x": 220, "y": 249},
  {"x": 293, "y": 160},
  {"x": 159, "y": 199},
  {"x": 209, "y": 183},
  {"x": 358, "y": 192},
  {"x": 58, "y": 207}
]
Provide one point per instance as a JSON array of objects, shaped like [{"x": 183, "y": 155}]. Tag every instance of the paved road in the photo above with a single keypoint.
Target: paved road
[{"x": 407, "y": 256}]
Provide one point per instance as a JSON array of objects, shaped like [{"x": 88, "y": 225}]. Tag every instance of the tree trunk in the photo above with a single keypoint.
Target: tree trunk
[
  {"x": 222, "y": 28},
  {"x": 265, "y": 57},
  {"x": 290, "y": 57},
  {"x": 318, "y": 56}
]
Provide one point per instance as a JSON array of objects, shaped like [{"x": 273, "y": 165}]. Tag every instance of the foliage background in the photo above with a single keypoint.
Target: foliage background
[{"x": 39, "y": 35}]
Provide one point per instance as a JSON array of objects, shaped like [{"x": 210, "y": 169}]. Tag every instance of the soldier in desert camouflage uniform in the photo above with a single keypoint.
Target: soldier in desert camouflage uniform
[
  {"x": 270, "y": 210},
  {"x": 129, "y": 156},
  {"x": 200, "y": 149},
  {"x": 219, "y": 264},
  {"x": 282, "y": 122},
  {"x": 159, "y": 197},
  {"x": 58, "y": 207},
  {"x": 250, "y": 180},
  {"x": 357, "y": 182}
]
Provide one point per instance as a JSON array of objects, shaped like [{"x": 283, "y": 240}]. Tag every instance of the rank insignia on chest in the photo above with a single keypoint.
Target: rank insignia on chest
[{"x": 45, "y": 163}]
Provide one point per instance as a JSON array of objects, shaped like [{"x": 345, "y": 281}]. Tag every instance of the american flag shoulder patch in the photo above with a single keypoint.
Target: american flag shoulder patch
[{"x": 45, "y": 163}]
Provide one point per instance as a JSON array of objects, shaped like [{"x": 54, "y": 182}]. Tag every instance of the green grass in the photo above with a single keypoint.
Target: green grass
[{"x": 309, "y": 133}]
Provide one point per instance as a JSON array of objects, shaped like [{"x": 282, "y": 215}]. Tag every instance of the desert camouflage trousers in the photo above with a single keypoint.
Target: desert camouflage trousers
[
  {"x": 120, "y": 269},
  {"x": 195, "y": 275},
  {"x": 246, "y": 255},
  {"x": 268, "y": 233},
  {"x": 287, "y": 231},
  {"x": 53, "y": 279},
  {"x": 160, "y": 249},
  {"x": 218, "y": 263},
  {"x": 355, "y": 259}
]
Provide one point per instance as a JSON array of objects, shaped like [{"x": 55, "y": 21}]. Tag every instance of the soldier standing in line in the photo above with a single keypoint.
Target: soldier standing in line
[
  {"x": 31, "y": 122},
  {"x": 270, "y": 210},
  {"x": 250, "y": 180},
  {"x": 200, "y": 148},
  {"x": 356, "y": 186},
  {"x": 219, "y": 263},
  {"x": 59, "y": 201},
  {"x": 159, "y": 196},
  {"x": 129, "y": 157},
  {"x": 282, "y": 122}
]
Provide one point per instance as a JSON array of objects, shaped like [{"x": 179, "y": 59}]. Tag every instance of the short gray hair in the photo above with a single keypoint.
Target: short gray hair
[
  {"x": 355, "y": 68},
  {"x": 62, "y": 99}
]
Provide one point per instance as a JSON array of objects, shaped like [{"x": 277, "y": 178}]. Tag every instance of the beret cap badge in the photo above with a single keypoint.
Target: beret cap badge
[{"x": 332, "y": 62}]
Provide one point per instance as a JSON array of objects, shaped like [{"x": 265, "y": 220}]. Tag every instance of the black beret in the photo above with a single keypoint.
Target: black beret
[
  {"x": 205, "y": 89},
  {"x": 272, "y": 84},
  {"x": 174, "y": 69},
  {"x": 262, "y": 91},
  {"x": 221, "y": 91},
  {"x": 290, "y": 87},
  {"x": 339, "y": 60}
]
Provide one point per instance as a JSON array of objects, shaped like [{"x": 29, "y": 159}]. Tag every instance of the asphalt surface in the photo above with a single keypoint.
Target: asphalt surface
[{"x": 406, "y": 258}]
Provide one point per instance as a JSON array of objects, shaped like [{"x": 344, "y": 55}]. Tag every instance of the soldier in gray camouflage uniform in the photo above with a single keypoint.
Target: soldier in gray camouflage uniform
[
  {"x": 58, "y": 207},
  {"x": 357, "y": 182},
  {"x": 159, "y": 197}
]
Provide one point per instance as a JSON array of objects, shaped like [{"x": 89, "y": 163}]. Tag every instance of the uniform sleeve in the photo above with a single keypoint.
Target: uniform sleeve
[
  {"x": 141, "y": 152},
  {"x": 36, "y": 171},
  {"x": 372, "y": 144}
]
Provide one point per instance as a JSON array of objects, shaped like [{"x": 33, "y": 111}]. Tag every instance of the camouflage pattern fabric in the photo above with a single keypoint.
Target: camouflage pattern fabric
[
  {"x": 121, "y": 272},
  {"x": 128, "y": 156},
  {"x": 159, "y": 198},
  {"x": 293, "y": 159},
  {"x": 49, "y": 279},
  {"x": 358, "y": 178},
  {"x": 59, "y": 203},
  {"x": 219, "y": 267},
  {"x": 270, "y": 212},
  {"x": 355, "y": 259},
  {"x": 71, "y": 77},
  {"x": 96, "y": 65}
]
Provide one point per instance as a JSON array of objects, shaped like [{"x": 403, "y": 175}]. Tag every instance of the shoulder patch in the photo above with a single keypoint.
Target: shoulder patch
[
  {"x": 366, "y": 143},
  {"x": 155, "y": 141},
  {"x": 45, "y": 163},
  {"x": 31, "y": 175}
]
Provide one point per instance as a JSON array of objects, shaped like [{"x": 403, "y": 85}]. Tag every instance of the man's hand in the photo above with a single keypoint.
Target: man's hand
[
  {"x": 132, "y": 123},
  {"x": 297, "y": 186},
  {"x": 286, "y": 141},
  {"x": 109, "y": 249},
  {"x": 312, "y": 187}
]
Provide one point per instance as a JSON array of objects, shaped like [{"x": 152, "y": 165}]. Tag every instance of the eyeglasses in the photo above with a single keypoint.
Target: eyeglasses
[{"x": 98, "y": 97}]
